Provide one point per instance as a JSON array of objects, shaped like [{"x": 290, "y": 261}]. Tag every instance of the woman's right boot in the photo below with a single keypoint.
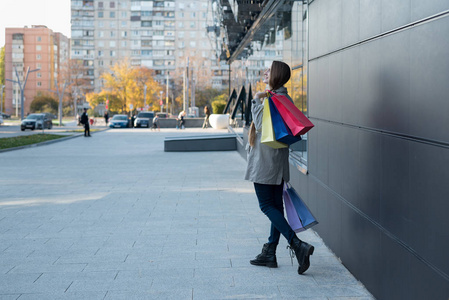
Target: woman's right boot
[
  {"x": 302, "y": 252},
  {"x": 267, "y": 257}
]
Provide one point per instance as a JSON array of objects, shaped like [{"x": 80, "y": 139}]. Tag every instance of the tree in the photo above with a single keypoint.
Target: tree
[
  {"x": 94, "y": 99},
  {"x": 44, "y": 103}
]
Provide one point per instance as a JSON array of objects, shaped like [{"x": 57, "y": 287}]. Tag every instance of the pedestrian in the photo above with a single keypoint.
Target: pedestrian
[
  {"x": 85, "y": 121},
  {"x": 106, "y": 117},
  {"x": 181, "y": 116},
  {"x": 155, "y": 123},
  {"x": 206, "y": 117},
  {"x": 268, "y": 168}
]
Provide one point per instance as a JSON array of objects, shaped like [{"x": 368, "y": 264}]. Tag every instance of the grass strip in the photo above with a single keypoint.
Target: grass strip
[{"x": 17, "y": 141}]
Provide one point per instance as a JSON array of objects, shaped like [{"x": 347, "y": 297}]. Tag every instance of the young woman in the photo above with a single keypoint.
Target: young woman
[{"x": 268, "y": 168}]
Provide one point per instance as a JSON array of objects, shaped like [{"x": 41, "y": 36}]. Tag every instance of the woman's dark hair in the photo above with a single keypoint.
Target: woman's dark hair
[{"x": 279, "y": 74}]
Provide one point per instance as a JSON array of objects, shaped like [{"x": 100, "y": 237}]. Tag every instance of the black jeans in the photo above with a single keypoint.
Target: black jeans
[
  {"x": 86, "y": 129},
  {"x": 271, "y": 204}
]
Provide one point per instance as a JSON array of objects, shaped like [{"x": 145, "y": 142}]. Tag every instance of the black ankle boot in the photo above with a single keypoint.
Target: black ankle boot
[
  {"x": 302, "y": 252},
  {"x": 267, "y": 257}
]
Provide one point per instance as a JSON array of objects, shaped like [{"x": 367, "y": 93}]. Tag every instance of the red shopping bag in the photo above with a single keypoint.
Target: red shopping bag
[{"x": 298, "y": 123}]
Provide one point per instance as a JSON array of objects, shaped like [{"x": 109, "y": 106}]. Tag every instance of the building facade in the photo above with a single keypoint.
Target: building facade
[
  {"x": 372, "y": 77},
  {"x": 160, "y": 35},
  {"x": 37, "y": 47}
]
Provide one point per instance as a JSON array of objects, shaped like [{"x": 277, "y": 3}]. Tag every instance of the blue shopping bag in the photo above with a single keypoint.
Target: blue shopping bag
[
  {"x": 281, "y": 131},
  {"x": 298, "y": 214}
]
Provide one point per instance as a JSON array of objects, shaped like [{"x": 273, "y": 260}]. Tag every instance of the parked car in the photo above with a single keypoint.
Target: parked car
[
  {"x": 162, "y": 115},
  {"x": 5, "y": 116},
  {"x": 1, "y": 119},
  {"x": 36, "y": 121},
  {"x": 144, "y": 119},
  {"x": 119, "y": 121}
]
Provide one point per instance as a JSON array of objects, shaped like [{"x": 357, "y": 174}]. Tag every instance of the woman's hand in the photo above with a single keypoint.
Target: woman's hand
[{"x": 260, "y": 95}]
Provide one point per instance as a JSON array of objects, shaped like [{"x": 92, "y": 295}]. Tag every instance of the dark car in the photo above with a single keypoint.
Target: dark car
[
  {"x": 36, "y": 121},
  {"x": 118, "y": 121},
  {"x": 144, "y": 119}
]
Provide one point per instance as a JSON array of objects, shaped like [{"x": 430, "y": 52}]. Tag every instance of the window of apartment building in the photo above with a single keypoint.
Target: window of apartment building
[
  {"x": 123, "y": 4},
  {"x": 147, "y": 52},
  {"x": 135, "y": 52},
  {"x": 158, "y": 3},
  {"x": 112, "y": 4},
  {"x": 123, "y": 24},
  {"x": 192, "y": 43},
  {"x": 100, "y": 53},
  {"x": 181, "y": 34},
  {"x": 181, "y": 44},
  {"x": 135, "y": 32},
  {"x": 112, "y": 14},
  {"x": 169, "y": 33},
  {"x": 136, "y": 43},
  {"x": 180, "y": 24},
  {"x": 39, "y": 39},
  {"x": 124, "y": 33},
  {"x": 169, "y": 43},
  {"x": 135, "y": 62},
  {"x": 180, "y": 53},
  {"x": 192, "y": 34},
  {"x": 100, "y": 63},
  {"x": 39, "y": 66},
  {"x": 38, "y": 47},
  {"x": 193, "y": 14},
  {"x": 169, "y": 52},
  {"x": 100, "y": 24},
  {"x": 123, "y": 43},
  {"x": 123, "y": 14},
  {"x": 88, "y": 33},
  {"x": 158, "y": 33},
  {"x": 100, "y": 14},
  {"x": 112, "y": 33},
  {"x": 169, "y": 14},
  {"x": 158, "y": 62},
  {"x": 146, "y": 24},
  {"x": 192, "y": 24},
  {"x": 204, "y": 15},
  {"x": 112, "y": 44},
  {"x": 146, "y": 43},
  {"x": 100, "y": 4},
  {"x": 181, "y": 5},
  {"x": 100, "y": 33},
  {"x": 38, "y": 56},
  {"x": 158, "y": 52},
  {"x": 181, "y": 14},
  {"x": 101, "y": 44},
  {"x": 39, "y": 75},
  {"x": 203, "y": 25},
  {"x": 135, "y": 14},
  {"x": 112, "y": 53},
  {"x": 192, "y": 53},
  {"x": 112, "y": 25},
  {"x": 39, "y": 83},
  {"x": 146, "y": 13},
  {"x": 158, "y": 23}
]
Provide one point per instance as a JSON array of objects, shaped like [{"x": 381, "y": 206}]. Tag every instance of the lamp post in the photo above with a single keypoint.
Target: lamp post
[
  {"x": 60, "y": 96},
  {"x": 160, "y": 102},
  {"x": 22, "y": 87},
  {"x": 145, "y": 97}
]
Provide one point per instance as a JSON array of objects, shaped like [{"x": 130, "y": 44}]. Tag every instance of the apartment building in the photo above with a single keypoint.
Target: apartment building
[
  {"x": 37, "y": 47},
  {"x": 160, "y": 35}
]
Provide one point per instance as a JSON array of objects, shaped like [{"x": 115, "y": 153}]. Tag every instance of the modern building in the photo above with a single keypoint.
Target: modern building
[
  {"x": 160, "y": 35},
  {"x": 35, "y": 48},
  {"x": 372, "y": 76}
]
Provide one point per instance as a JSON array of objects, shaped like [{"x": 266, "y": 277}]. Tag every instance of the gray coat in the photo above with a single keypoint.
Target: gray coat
[{"x": 266, "y": 165}]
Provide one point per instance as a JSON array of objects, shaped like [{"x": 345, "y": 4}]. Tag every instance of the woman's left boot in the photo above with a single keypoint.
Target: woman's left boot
[
  {"x": 267, "y": 258},
  {"x": 302, "y": 252}
]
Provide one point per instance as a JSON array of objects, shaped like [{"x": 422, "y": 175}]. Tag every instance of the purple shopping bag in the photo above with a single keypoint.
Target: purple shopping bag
[{"x": 297, "y": 211}]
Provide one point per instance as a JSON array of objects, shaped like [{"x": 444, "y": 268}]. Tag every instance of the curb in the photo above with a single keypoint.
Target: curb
[{"x": 49, "y": 142}]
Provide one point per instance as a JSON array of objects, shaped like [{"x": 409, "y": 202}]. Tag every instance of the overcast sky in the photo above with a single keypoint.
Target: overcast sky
[{"x": 55, "y": 14}]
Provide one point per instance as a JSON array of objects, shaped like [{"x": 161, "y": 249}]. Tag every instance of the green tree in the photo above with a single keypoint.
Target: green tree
[{"x": 44, "y": 103}]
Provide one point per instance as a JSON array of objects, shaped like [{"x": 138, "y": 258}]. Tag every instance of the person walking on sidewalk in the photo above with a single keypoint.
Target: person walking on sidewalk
[
  {"x": 206, "y": 117},
  {"x": 85, "y": 121},
  {"x": 268, "y": 168}
]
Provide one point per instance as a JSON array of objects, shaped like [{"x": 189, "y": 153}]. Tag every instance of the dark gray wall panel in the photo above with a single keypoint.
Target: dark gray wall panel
[
  {"x": 320, "y": 88},
  {"x": 318, "y": 30},
  {"x": 351, "y": 99},
  {"x": 429, "y": 73},
  {"x": 370, "y": 18},
  {"x": 395, "y": 13},
  {"x": 335, "y": 90},
  {"x": 334, "y": 25},
  {"x": 395, "y": 192},
  {"x": 428, "y": 203},
  {"x": 350, "y": 22},
  {"x": 349, "y": 175},
  {"x": 423, "y": 9}
]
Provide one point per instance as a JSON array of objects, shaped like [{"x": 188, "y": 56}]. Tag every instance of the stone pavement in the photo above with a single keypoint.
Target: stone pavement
[{"x": 116, "y": 217}]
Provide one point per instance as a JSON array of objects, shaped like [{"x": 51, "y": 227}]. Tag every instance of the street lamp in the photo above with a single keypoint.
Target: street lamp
[
  {"x": 22, "y": 88},
  {"x": 145, "y": 97},
  {"x": 160, "y": 102}
]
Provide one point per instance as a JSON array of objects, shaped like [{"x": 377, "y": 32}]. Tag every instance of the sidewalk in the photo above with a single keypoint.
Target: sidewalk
[{"x": 116, "y": 217}]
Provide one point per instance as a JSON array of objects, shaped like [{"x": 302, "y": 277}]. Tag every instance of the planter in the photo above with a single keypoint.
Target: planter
[{"x": 219, "y": 121}]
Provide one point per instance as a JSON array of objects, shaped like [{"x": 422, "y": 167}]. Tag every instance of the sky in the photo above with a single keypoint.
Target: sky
[{"x": 55, "y": 14}]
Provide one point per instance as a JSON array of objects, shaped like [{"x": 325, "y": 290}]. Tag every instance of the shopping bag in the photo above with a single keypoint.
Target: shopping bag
[
  {"x": 268, "y": 138},
  {"x": 281, "y": 132},
  {"x": 298, "y": 215},
  {"x": 295, "y": 120}
]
